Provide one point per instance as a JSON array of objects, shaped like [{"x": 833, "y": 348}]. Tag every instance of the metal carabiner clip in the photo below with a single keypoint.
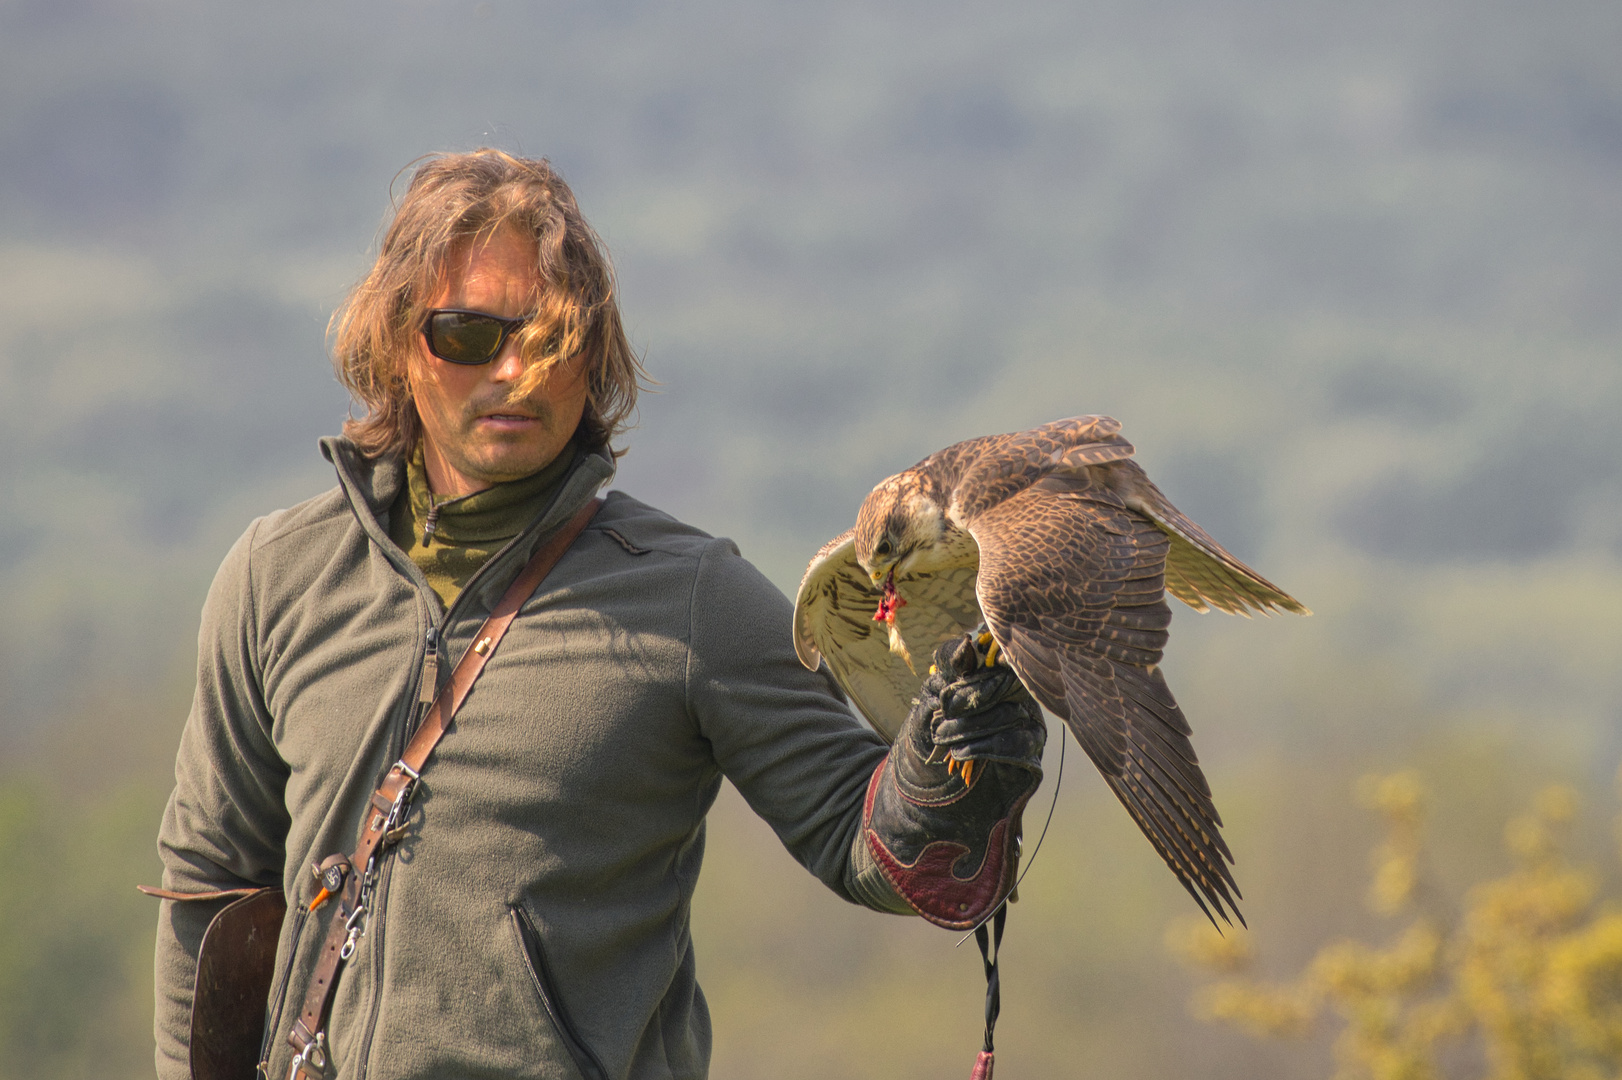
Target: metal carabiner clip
[{"x": 356, "y": 925}]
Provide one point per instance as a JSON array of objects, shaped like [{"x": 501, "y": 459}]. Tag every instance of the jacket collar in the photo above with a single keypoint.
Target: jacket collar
[{"x": 371, "y": 484}]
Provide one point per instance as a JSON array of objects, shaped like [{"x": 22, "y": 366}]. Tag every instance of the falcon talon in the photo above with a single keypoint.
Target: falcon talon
[{"x": 991, "y": 653}]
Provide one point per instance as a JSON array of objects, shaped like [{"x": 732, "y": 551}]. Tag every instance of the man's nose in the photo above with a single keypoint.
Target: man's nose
[{"x": 508, "y": 365}]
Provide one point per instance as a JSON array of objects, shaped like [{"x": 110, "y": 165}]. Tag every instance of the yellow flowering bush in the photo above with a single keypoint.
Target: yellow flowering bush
[{"x": 1525, "y": 980}]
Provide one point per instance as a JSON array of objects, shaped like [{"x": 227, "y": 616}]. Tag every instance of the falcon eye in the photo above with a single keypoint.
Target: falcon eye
[{"x": 883, "y": 550}]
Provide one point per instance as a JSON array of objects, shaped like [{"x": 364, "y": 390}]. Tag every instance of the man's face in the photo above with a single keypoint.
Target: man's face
[{"x": 473, "y": 436}]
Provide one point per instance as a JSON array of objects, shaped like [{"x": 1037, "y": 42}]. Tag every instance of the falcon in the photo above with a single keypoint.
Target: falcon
[{"x": 1055, "y": 544}]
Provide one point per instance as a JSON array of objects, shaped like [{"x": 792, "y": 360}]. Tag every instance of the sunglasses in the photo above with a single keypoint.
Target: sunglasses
[{"x": 468, "y": 337}]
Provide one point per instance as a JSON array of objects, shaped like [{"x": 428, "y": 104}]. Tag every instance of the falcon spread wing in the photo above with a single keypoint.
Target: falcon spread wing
[{"x": 1057, "y": 541}]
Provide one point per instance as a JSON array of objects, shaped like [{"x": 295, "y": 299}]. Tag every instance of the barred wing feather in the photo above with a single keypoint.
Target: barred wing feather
[
  {"x": 1199, "y": 571},
  {"x": 1071, "y": 585}
]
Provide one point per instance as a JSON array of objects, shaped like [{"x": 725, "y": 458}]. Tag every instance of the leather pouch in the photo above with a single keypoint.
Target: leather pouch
[{"x": 235, "y": 967}]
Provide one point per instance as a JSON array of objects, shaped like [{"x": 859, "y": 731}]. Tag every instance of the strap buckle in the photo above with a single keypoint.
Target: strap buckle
[
  {"x": 313, "y": 1055},
  {"x": 395, "y": 824}
]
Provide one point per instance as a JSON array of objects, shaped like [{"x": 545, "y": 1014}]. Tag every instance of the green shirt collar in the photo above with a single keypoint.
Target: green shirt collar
[
  {"x": 450, "y": 539},
  {"x": 498, "y": 513}
]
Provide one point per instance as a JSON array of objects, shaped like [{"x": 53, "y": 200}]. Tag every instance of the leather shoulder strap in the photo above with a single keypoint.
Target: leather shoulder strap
[
  {"x": 394, "y": 793},
  {"x": 467, "y": 669}
]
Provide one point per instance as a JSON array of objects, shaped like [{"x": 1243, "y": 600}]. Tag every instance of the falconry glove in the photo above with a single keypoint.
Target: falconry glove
[
  {"x": 976, "y": 712},
  {"x": 942, "y": 820}
]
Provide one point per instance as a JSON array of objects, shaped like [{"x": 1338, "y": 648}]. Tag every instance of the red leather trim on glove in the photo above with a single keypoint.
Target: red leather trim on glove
[{"x": 929, "y": 885}]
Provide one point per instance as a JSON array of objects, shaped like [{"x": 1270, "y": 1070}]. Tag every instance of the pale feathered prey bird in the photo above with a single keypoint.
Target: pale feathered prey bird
[{"x": 1057, "y": 541}]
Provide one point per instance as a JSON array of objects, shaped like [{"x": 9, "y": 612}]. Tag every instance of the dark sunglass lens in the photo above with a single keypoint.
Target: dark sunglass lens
[{"x": 462, "y": 338}]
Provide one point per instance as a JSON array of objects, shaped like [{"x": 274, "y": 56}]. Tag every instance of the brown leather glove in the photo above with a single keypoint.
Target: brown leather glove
[{"x": 942, "y": 819}]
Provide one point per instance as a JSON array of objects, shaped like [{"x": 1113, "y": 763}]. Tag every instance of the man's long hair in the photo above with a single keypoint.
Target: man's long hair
[{"x": 462, "y": 199}]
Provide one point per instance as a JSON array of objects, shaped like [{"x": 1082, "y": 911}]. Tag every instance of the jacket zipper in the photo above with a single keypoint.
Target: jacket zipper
[
  {"x": 427, "y": 686},
  {"x": 540, "y": 974},
  {"x": 428, "y": 681},
  {"x": 429, "y": 670}
]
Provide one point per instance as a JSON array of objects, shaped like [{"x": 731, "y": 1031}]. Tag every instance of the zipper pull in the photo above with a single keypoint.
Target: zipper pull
[{"x": 430, "y": 669}]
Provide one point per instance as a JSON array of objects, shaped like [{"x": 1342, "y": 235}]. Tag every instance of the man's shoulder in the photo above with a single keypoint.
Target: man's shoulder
[
  {"x": 720, "y": 572},
  {"x": 641, "y": 528},
  {"x": 281, "y": 551},
  {"x": 308, "y": 522}
]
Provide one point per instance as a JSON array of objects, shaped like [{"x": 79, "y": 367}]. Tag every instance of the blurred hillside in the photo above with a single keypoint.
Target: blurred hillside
[{"x": 1347, "y": 273}]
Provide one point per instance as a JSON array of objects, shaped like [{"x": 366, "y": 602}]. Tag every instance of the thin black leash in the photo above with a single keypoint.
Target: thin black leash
[
  {"x": 991, "y": 942},
  {"x": 988, "y": 957}
]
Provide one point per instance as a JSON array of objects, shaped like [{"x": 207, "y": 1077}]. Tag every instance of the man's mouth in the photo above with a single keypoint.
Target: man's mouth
[{"x": 505, "y": 420}]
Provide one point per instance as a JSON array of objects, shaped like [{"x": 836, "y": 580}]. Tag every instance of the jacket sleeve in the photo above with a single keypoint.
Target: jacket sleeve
[
  {"x": 226, "y": 822},
  {"x": 780, "y": 733}
]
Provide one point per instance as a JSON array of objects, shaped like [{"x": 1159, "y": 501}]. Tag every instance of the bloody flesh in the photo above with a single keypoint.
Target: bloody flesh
[{"x": 889, "y": 601}]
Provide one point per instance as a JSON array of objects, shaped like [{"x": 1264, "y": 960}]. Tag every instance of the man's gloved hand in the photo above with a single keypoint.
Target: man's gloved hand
[
  {"x": 968, "y": 714},
  {"x": 943, "y": 811}
]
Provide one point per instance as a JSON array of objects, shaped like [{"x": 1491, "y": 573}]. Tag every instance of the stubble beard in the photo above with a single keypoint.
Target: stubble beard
[{"x": 497, "y": 457}]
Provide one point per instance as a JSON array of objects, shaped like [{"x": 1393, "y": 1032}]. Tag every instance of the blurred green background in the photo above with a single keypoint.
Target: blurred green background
[{"x": 1348, "y": 274}]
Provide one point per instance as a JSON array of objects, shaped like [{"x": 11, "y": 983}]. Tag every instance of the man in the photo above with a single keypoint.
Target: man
[{"x": 530, "y": 917}]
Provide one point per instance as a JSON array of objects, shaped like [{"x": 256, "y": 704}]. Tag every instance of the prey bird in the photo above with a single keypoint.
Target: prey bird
[{"x": 1058, "y": 544}]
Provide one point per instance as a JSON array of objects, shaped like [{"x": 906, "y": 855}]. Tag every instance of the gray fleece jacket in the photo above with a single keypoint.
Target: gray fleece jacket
[{"x": 534, "y": 921}]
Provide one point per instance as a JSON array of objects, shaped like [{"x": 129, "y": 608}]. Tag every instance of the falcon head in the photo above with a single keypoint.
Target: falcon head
[{"x": 899, "y": 530}]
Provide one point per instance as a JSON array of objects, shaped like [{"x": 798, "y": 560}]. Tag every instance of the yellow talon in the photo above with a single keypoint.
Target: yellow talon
[
  {"x": 991, "y": 653},
  {"x": 968, "y": 773},
  {"x": 951, "y": 765},
  {"x": 985, "y": 638},
  {"x": 933, "y": 670}
]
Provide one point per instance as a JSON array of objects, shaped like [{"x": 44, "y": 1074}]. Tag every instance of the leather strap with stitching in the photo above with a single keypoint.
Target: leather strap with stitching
[
  {"x": 392, "y": 797},
  {"x": 212, "y": 894}
]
